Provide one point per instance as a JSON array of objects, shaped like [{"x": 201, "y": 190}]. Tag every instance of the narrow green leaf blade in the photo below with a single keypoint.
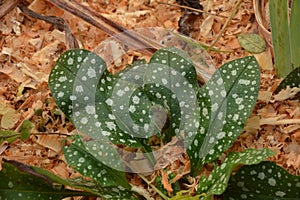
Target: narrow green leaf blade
[
  {"x": 280, "y": 29},
  {"x": 263, "y": 181},
  {"x": 217, "y": 182},
  {"x": 9, "y": 136},
  {"x": 225, "y": 103},
  {"x": 295, "y": 29}
]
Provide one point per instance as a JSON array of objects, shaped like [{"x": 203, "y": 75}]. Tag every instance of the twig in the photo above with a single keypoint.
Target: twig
[
  {"x": 56, "y": 21},
  {"x": 131, "y": 39},
  {"x": 7, "y": 6},
  {"x": 194, "y": 9},
  {"x": 153, "y": 187},
  {"x": 226, "y": 24}
]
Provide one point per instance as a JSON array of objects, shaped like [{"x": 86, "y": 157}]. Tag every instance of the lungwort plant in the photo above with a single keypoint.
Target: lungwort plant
[{"x": 158, "y": 101}]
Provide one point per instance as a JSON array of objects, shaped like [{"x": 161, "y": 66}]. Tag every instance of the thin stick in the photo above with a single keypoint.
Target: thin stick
[
  {"x": 194, "y": 9},
  {"x": 131, "y": 39},
  {"x": 153, "y": 187},
  {"x": 225, "y": 25}
]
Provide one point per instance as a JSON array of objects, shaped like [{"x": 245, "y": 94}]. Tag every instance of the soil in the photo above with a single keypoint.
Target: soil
[{"x": 29, "y": 47}]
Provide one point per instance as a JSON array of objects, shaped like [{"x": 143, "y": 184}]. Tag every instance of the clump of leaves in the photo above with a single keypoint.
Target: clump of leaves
[{"x": 161, "y": 98}]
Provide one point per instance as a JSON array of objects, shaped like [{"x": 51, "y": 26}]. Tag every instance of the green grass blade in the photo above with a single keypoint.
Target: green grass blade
[
  {"x": 295, "y": 29},
  {"x": 280, "y": 36}
]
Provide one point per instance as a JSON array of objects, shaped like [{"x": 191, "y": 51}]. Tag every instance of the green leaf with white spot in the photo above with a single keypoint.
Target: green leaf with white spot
[
  {"x": 81, "y": 87},
  {"x": 20, "y": 181},
  {"x": 225, "y": 102},
  {"x": 292, "y": 80},
  {"x": 80, "y": 159},
  {"x": 263, "y": 181},
  {"x": 217, "y": 181},
  {"x": 172, "y": 84}
]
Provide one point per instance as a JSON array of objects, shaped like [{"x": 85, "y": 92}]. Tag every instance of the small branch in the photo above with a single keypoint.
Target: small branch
[
  {"x": 58, "y": 22},
  {"x": 194, "y": 9},
  {"x": 7, "y": 6},
  {"x": 153, "y": 187},
  {"x": 226, "y": 24},
  {"x": 131, "y": 39}
]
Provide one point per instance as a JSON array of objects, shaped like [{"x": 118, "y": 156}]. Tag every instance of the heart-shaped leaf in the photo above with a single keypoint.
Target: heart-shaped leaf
[
  {"x": 225, "y": 103},
  {"x": 263, "y": 181}
]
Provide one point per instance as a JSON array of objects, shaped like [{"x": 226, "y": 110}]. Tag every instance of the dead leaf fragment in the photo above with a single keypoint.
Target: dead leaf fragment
[
  {"x": 9, "y": 116},
  {"x": 165, "y": 182},
  {"x": 52, "y": 142}
]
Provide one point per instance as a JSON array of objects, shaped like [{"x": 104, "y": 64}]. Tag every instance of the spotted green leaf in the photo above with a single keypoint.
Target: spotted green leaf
[
  {"x": 263, "y": 181},
  {"x": 85, "y": 163},
  {"x": 25, "y": 183},
  {"x": 129, "y": 107},
  {"x": 82, "y": 88},
  {"x": 217, "y": 181},
  {"x": 253, "y": 43},
  {"x": 292, "y": 80},
  {"x": 225, "y": 103},
  {"x": 109, "y": 183}
]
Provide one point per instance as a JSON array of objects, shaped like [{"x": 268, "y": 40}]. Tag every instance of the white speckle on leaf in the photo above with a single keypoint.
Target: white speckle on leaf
[
  {"x": 84, "y": 120},
  {"x": 280, "y": 193},
  {"x": 60, "y": 94},
  {"x": 106, "y": 133},
  {"x": 70, "y": 61},
  {"x": 79, "y": 88},
  {"x": 62, "y": 79},
  {"x": 109, "y": 102},
  {"x": 220, "y": 81},
  {"x": 91, "y": 73},
  {"x": 235, "y": 117},
  {"x": 238, "y": 100},
  {"x": 135, "y": 99},
  {"x": 120, "y": 93},
  {"x": 272, "y": 181},
  {"x": 244, "y": 82},
  {"x": 111, "y": 125},
  {"x": 223, "y": 93},
  {"x": 261, "y": 175},
  {"x": 214, "y": 107},
  {"x": 132, "y": 109},
  {"x": 221, "y": 135},
  {"x": 90, "y": 109}
]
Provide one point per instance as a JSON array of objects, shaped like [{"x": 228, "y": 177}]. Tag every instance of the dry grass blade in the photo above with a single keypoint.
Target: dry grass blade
[
  {"x": 111, "y": 28},
  {"x": 257, "y": 11}
]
